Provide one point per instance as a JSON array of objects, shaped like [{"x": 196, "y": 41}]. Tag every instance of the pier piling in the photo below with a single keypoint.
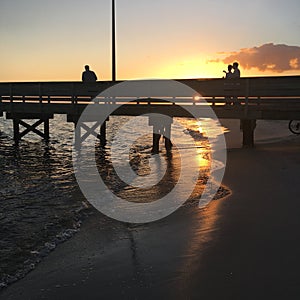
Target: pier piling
[
  {"x": 19, "y": 120},
  {"x": 248, "y": 127},
  {"x": 80, "y": 138}
]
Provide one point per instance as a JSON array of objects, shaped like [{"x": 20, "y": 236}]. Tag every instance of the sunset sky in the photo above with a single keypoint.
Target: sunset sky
[{"x": 52, "y": 40}]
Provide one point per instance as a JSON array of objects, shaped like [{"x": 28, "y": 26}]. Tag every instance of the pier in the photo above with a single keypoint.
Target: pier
[{"x": 253, "y": 98}]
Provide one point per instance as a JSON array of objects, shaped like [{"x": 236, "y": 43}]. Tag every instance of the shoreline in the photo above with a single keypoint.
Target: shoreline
[{"x": 243, "y": 246}]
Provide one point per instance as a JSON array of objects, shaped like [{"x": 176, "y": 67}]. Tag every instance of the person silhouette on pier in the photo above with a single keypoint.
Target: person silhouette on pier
[
  {"x": 88, "y": 75},
  {"x": 229, "y": 75},
  {"x": 236, "y": 71},
  {"x": 229, "y": 72},
  {"x": 232, "y": 86}
]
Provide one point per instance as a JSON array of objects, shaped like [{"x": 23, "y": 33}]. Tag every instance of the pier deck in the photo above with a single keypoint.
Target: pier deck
[{"x": 273, "y": 98}]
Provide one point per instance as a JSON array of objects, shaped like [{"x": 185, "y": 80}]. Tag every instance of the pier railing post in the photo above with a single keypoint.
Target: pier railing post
[{"x": 247, "y": 99}]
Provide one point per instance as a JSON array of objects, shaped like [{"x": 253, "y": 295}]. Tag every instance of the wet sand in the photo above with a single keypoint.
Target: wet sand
[{"x": 245, "y": 246}]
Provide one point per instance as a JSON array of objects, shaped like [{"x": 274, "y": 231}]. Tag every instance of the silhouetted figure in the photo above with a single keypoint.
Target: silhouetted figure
[
  {"x": 161, "y": 127},
  {"x": 229, "y": 75},
  {"x": 229, "y": 72},
  {"x": 236, "y": 72},
  {"x": 88, "y": 75},
  {"x": 236, "y": 75}
]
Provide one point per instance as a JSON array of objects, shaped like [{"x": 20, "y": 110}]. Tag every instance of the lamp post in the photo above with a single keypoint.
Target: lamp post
[{"x": 113, "y": 42}]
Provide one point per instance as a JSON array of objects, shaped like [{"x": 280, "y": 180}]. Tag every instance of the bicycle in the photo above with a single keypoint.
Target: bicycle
[{"x": 294, "y": 126}]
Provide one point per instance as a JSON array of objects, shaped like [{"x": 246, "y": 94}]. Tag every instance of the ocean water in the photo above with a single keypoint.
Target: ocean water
[
  {"x": 37, "y": 204},
  {"x": 41, "y": 204}
]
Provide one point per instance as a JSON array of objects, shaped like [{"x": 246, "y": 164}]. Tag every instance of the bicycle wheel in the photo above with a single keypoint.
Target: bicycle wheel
[{"x": 294, "y": 126}]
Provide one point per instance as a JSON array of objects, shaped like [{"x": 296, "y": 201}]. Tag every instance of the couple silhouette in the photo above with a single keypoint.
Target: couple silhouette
[
  {"x": 236, "y": 71},
  {"x": 232, "y": 86}
]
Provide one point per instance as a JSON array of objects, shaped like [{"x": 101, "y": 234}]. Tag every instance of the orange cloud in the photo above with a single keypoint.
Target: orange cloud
[{"x": 268, "y": 57}]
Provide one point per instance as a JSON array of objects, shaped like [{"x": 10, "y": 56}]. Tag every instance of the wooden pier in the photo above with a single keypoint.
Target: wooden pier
[{"x": 254, "y": 98}]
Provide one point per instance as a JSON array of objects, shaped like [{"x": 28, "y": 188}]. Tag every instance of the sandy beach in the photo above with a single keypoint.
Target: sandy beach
[{"x": 244, "y": 246}]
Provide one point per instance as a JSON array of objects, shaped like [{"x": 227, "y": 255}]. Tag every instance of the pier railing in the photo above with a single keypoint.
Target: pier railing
[
  {"x": 248, "y": 99},
  {"x": 257, "y": 97}
]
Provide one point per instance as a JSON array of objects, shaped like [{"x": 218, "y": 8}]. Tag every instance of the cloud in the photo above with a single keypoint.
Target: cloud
[{"x": 268, "y": 57}]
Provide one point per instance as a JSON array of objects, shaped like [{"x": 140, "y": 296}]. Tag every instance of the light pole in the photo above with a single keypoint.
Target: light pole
[{"x": 113, "y": 42}]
